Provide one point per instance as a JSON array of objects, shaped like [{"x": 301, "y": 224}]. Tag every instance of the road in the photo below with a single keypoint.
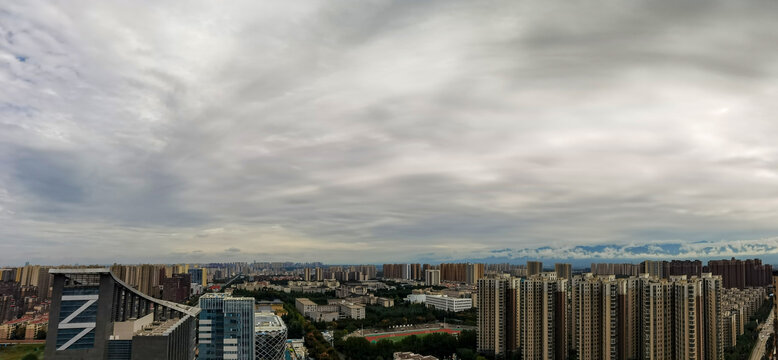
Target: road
[{"x": 767, "y": 329}]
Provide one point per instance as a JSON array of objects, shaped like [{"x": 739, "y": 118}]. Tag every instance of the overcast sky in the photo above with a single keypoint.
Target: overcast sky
[{"x": 373, "y": 131}]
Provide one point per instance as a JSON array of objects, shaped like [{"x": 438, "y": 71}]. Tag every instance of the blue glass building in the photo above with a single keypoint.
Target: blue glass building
[{"x": 226, "y": 327}]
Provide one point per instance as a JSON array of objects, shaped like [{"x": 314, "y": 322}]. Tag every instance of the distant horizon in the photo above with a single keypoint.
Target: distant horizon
[{"x": 577, "y": 263}]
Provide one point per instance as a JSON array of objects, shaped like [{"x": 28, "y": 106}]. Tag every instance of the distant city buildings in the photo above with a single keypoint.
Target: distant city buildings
[
  {"x": 534, "y": 267},
  {"x": 741, "y": 274},
  {"x": 734, "y": 273},
  {"x": 468, "y": 273},
  {"x": 199, "y": 276},
  {"x": 563, "y": 271}
]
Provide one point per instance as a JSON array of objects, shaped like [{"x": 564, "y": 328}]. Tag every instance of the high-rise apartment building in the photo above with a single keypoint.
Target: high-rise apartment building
[
  {"x": 534, "y": 267},
  {"x": 146, "y": 278},
  {"x": 7, "y": 275},
  {"x": 604, "y": 317},
  {"x": 563, "y": 271},
  {"x": 34, "y": 275},
  {"x": 453, "y": 272},
  {"x": 741, "y": 273},
  {"x": 176, "y": 288},
  {"x": 432, "y": 277},
  {"x": 595, "y": 301},
  {"x": 199, "y": 276},
  {"x": 498, "y": 315},
  {"x": 319, "y": 274},
  {"x": 307, "y": 274},
  {"x": 682, "y": 318},
  {"x": 615, "y": 269},
  {"x": 95, "y": 315},
  {"x": 7, "y": 308},
  {"x": 226, "y": 327},
  {"x": 656, "y": 316},
  {"x": 775, "y": 311},
  {"x": 630, "y": 318},
  {"x": 682, "y": 267},
  {"x": 653, "y": 268},
  {"x": 401, "y": 271},
  {"x": 473, "y": 273},
  {"x": 712, "y": 327},
  {"x": 543, "y": 309}
]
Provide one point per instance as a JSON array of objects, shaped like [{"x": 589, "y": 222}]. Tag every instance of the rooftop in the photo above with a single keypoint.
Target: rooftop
[
  {"x": 267, "y": 321},
  {"x": 306, "y": 301}
]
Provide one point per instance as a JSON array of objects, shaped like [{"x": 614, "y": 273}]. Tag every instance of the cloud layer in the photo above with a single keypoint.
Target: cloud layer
[{"x": 377, "y": 131}]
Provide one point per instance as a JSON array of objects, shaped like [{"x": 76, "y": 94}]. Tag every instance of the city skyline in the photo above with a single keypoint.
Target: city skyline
[{"x": 385, "y": 131}]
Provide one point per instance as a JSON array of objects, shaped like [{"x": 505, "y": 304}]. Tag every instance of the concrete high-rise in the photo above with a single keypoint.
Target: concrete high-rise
[
  {"x": 176, "y": 288},
  {"x": 741, "y": 273},
  {"x": 595, "y": 317},
  {"x": 499, "y": 318},
  {"x": 653, "y": 268},
  {"x": 226, "y": 327},
  {"x": 432, "y": 277},
  {"x": 146, "y": 278},
  {"x": 712, "y": 327},
  {"x": 543, "y": 304},
  {"x": 453, "y": 272},
  {"x": 473, "y": 273},
  {"x": 534, "y": 267},
  {"x": 563, "y": 271},
  {"x": 630, "y": 318},
  {"x": 657, "y": 319}
]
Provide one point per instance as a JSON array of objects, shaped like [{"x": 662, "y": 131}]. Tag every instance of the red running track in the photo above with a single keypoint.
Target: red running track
[{"x": 375, "y": 338}]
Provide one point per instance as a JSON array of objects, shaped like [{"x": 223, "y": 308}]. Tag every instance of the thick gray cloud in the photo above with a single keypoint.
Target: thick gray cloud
[{"x": 386, "y": 131}]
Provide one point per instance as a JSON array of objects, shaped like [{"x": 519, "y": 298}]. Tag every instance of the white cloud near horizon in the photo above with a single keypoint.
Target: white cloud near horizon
[{"x": 380, "y": 130}]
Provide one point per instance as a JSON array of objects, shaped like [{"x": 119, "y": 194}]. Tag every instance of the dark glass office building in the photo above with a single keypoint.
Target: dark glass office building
[{"x": 94, "y": 315}]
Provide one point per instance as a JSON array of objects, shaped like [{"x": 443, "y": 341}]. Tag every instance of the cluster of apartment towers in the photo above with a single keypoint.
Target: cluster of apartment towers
[{"x": 555, "y": 315}]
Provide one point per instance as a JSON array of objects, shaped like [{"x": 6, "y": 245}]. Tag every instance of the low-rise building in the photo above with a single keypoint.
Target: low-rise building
[
  {"x": 412, "y": 356},
  {"x": 305, "y": 306},
  {"x": 445, "y": 303},
  {"x": 321, "y": 316},
  {"x": 296, "y": 350},
  {"x": 352, "y": 311}
]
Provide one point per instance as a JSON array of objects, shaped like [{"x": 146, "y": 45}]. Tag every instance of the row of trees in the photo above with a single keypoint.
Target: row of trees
[{"x": 438, "y": 344}]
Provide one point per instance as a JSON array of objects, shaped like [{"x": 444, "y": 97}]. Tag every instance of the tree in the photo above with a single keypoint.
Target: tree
[
  {"x": 30, "y": 356},
  {"x": 19, "y": 333},
  {"x": 41, "y": 335}
]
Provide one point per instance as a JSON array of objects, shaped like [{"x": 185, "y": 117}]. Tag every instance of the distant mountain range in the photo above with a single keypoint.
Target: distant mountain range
[{"x": 583, "y": 255}]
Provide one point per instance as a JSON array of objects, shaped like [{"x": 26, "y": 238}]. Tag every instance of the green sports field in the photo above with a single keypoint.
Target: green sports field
[
  {"x": 398, "y": 336},
  {"x": 17, "y": 352}
]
